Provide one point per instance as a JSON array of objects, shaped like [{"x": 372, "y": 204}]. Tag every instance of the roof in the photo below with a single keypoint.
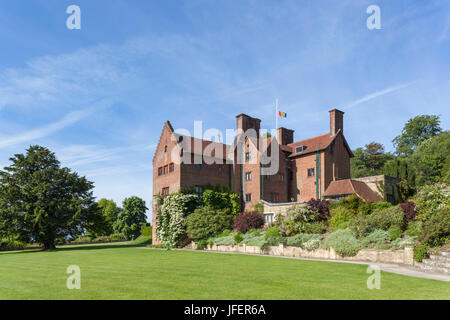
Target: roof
[
  {"x": 312, "y": 144},
  {"x": 349, "y": 186}
]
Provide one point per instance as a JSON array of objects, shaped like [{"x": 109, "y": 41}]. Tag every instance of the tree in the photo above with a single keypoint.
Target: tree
[
  {"x": 415, "y": 131},
  {"x": 403, "y": 169},
  {"x": 110, "y": 212},
  {"x": 43, "y": 201},
  {"x": 129, "y": 220},
  {"x": 430, "y": 157},
  {"x": 369, "y": 161}
]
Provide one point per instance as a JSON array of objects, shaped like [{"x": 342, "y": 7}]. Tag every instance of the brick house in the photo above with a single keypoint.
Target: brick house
[{"x": 306, "y": 168}]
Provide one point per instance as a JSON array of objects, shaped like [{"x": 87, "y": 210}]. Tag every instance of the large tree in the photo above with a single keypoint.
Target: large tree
[
  {"x": 415, "y": 131},
  {"x": 430, "y": 158},
  {"x": 43, "y": 201},
  {"x": 104, "y": 225},
  {"x": 129, "y": 220},
  {"x": 369, "y": 161}
]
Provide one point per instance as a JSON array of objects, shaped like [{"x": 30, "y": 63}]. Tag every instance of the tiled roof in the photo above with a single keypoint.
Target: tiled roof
[
  {"x": 348, "y": 186},
  {"x": 312, "y": 144}
]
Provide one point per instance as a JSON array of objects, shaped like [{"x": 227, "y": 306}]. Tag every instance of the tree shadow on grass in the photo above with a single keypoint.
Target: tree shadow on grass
[{"x": 77, "y": 247}]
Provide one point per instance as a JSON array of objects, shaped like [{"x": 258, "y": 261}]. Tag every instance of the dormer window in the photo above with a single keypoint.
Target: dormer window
[{"x": 300, "y": 149}]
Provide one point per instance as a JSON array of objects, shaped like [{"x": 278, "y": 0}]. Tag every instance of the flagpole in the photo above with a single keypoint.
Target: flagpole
[{"x": 276, "y": 114}]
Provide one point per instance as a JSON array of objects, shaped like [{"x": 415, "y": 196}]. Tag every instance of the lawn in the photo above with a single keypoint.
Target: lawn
[{"x": 129, "y": 272}]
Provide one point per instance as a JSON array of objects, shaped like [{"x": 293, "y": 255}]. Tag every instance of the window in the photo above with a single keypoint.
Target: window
[
  {"x": 268, "y": 217},
  {"x": 165, "y": 148},
  {"x": 165, "y": 192},
  {"x": 248, "y": 176},
  {"x": 247, "y": 156},
  {"x": 171, "y": 167},
  {"x": 300, "y": 149},
  {"x": 311, "y": 172},
  {"x": 160, "y": 171},
  {"x": 248, "y": 197},
  {"x": 166, "y": 169}
]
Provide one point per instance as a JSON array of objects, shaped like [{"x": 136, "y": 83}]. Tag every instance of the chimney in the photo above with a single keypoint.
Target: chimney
[
  {"x": 285, "y": 136},
  {"x": 336, "y": 121},
  {"x": 246, "y": 122}
]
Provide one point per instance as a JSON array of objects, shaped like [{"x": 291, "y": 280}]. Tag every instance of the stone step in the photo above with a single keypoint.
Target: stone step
[
  {"x": 440, "y": 258},
  {"x": 430, "y": 267},
  {"x": 444, "y": 254},
  {"x": 436, "y": 263}
]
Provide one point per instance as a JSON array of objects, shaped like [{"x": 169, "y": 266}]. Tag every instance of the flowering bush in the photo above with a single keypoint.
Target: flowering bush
[
  {"x": 247, "y": 221},
  {"x": 170, "y": 226}
]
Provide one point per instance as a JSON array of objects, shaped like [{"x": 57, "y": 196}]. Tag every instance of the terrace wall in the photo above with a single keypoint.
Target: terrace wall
[{"x": 401, "y": 256}]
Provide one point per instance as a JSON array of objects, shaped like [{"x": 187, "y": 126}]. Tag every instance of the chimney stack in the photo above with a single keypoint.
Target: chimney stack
[
  {"x": 336, "y": 121},
  {"x": 246, "y": 122},
  {"x": 285, "y": 136}
]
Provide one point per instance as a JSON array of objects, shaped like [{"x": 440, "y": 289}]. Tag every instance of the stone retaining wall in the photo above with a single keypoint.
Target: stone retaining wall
[{"x": 401, "y": 256}]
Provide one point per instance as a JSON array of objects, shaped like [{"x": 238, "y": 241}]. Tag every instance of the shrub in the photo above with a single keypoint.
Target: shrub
[
  {"x": 238, "y": 238},
  {"x": 378, "y": 237},
  {"x": 206, "y": 222},
  {"x": 420, "y": 253},
  {"x": 297, "y": 217},
  {"x": 343, "y": 242},
  {"x": 258, "y": 207},
  {"x": 157, "y": 246},
  {"x": 402, "y": 243},
  {"x": 386, "y": 218},
  {"x": 436, "y": 229},
  {"x": 360, "y": 226},
  {"x": 226, "y": 240},
  {"x": 395, "y": 232},
  {"x": 321, "y": 207},
  {"x": 380, "y": 205},
  {"x": 340, "y": 218},
  {"x": 201, "y": 244},
  {"x": 275, "y": 241},
  {"x": 414, "y": 229},
  {"x": 432, "y": 198},
  {"x": 224, "y": 233},
  {"x": 272, "y": 232},
  {"x": 315, "y": 227},
  {"x": 11, "y": 244},
  {"x": 248, "y": 220},
  {"x": 254, "y": 238},
  {"x": 305, "y": 241},
  {"x": 146, "y": 230},
  {"x": 409, "y": 210}
]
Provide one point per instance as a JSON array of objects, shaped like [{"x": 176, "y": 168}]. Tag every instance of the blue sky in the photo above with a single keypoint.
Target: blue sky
[{"x": 98, "y": 96}]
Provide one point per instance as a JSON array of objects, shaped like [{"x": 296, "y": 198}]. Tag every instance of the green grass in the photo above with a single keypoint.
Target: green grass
[{"x": 124, "y": 271}]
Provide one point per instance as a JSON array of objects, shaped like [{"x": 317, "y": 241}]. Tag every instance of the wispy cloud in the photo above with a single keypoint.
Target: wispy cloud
[
  {"x": 376, "y": 95},
  {"x": 46, "y": 130}
]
